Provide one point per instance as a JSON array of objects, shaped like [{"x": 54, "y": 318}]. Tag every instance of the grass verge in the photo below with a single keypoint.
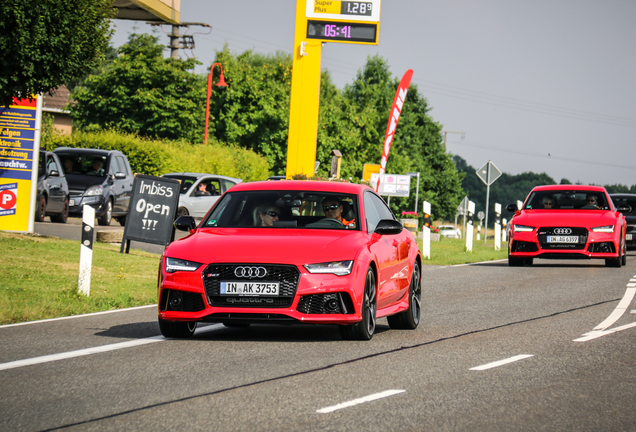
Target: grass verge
[{"x": 39, "y": 277}]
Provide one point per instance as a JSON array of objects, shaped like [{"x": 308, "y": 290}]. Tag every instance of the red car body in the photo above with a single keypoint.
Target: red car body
[
  {"x": 581, "y": 223},
  {"x": 321, "y": 268}
]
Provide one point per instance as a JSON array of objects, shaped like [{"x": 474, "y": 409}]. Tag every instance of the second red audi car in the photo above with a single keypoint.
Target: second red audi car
[
  {"x": 567, "y": 222},
  {"x": 292, "y": 252}
]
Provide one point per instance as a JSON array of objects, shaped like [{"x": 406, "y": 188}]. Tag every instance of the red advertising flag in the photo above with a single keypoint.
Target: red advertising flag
[{"x": 396, "y": 110}]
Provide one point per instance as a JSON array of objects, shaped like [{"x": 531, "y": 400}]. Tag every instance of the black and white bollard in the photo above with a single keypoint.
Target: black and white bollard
[{"x": 86, "y": 251}]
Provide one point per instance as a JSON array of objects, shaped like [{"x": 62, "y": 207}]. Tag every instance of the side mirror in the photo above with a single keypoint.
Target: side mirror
[
  {"x": 120, "y": 175},
  {"x": 624, "y": 209},
  {"x": 388, "y": 227},
  {"x": 185, "y": 223},
  {"x": 511, "y": 208},
  {"x": 54, "y": 173}
]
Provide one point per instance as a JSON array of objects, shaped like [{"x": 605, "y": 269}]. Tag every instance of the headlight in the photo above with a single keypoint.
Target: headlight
[
  {"x": 522, "y": 228},
  {"x": 175, "y": 264},
  {"x": 339, "y": 268},
  {"x": 604, "y": 229},
  {"x": 94, "y": 190}
]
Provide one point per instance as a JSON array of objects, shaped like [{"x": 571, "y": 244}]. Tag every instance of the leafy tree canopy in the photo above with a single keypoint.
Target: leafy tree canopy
[
  {"x": 144, "y": 93},
  {"x": 46, "y": 43}
]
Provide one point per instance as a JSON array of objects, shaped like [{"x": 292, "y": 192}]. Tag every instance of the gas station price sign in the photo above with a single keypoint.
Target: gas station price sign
[
  {"x": 368, "y": 11},
  {"x": 339, "y": 31}
]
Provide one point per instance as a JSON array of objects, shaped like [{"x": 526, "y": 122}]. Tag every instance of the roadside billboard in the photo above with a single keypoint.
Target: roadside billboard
[{"x": 19, "y": 149}]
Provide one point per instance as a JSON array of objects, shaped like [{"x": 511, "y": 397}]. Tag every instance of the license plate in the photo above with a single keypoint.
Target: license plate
[
  {"x": 250, "y": 288},
  {"x": 71, "y": 203},
  {"x": 628, "y": 236},
  {"x": 563, "y": 239}
]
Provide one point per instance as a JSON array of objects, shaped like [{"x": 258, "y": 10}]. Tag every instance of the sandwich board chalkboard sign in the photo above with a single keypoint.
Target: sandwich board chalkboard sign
[{"x": 152, "y": 210}]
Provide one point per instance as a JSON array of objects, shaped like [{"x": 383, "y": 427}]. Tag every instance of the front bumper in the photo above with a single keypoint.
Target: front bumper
[
  {"x": 76, "y": 204},
  {"x": 313, "y": 298},
  {"x": 591, "y": 245}
]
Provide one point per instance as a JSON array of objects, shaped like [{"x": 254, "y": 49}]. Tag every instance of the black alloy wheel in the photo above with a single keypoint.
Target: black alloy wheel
[
  {"x": 177, "y": 329},
  {"x": 40, "y": 210},
  {"x": 410, "y": 318},
  {"x": 364, "y": 329},
  {"x": 105, "y": 219},
  {"x": 182, "y": 211}
]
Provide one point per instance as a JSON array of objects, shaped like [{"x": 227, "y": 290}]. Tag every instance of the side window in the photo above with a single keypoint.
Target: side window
[
  {"x": 228, "y": 184},
  {"x": 123, "y": 168},
  {"x": 41, "y": 165},
  {"x": 375, "y": 210},
  {"x": 214, "y": 187},
  {"x": 51, "y": 165},
  {"x": 114, "y": 166}
]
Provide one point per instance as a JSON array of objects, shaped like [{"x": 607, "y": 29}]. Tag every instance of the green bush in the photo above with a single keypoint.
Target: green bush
[{"x": 154, "y": 157}]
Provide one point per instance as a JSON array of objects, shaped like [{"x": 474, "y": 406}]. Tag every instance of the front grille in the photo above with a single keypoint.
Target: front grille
[
  {"x": 333, "y": 303},
  {"x": 287, "y": 275},
  {"x": 543, "y": 233},
  {"x": 182, "y": 301},
  {"x": 75, "y": 192}
]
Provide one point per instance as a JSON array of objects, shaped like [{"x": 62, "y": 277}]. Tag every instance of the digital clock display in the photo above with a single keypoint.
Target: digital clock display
[{"x": 342, "y": 31}]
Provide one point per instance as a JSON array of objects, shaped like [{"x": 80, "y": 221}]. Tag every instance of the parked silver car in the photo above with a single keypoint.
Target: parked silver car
[
  {"x": 200, "y": 191},
  {"x": 448, "y": 231}
]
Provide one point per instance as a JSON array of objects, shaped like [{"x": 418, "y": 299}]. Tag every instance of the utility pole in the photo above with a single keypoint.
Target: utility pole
[
  {"x": 447, "y": 132},
  {"x": 176, "y": 38}
]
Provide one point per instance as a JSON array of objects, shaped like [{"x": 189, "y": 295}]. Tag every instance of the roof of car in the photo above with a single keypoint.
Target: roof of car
[
  {"x": 570, "y": 187},
  {"x": 101, "y": 152},
  {"x": 309, "y": 185},
  {"x": 198, "y": 175}
]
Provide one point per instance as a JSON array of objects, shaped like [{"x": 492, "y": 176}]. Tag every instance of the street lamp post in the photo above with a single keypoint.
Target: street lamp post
[{"x": 221, "y": 83}]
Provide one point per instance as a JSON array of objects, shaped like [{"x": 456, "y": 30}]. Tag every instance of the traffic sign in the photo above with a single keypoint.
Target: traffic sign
[{"x": 488, "y": 173}]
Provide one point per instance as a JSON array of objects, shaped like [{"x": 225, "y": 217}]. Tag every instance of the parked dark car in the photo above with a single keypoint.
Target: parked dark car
[
  {"x": 627, "y": 200},
  {"x": 99, "y": 178},
  {"x": 53, "y": 193}
]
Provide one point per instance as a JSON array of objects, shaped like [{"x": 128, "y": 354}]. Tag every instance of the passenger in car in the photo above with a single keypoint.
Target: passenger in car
[
  {"x": 548, "y": 203},
  {"x": 265, "y": 215},
  {"x": 332, "y": 207},
  {"x": 202, "y": 190}
]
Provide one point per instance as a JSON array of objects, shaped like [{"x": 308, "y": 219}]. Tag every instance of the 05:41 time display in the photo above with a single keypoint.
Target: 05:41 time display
[{"x": 331, "y": 30}]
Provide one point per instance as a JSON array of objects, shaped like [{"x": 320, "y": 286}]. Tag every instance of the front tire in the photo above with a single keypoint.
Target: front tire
[
  {"x": 105, "y": 219},
  {"x": 40, "y": 210},
  {"x": 182, "y": 211},
  {"x": 177, "y": 329},
  {"x": 364, "y": 329},
  {"x": 515, "y": 262},
  {"x": 410, "y": 318}
]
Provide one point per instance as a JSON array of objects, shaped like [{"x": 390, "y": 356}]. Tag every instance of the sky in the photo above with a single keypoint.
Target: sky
[{"x": 539, "y": 86}]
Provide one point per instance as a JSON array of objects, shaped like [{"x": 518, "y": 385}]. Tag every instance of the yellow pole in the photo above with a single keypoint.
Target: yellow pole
[{"x": 305, "y": 99}]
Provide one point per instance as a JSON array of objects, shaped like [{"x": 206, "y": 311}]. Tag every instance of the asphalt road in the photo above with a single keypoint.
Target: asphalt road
[{"x": 498, "y": 349}]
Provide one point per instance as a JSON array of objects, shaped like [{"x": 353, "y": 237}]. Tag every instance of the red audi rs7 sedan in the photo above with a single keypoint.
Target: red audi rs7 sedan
[
  {"x": 567, "y": 222},
  {"x": 291, "y": 252}
]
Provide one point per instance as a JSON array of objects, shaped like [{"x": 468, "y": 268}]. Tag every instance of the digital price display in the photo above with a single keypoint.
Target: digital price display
[
  {"x": 340, "y": 31},
  {"x": 368, "y": 11}
]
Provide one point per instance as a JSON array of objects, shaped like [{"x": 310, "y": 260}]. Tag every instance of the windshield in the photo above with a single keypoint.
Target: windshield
[
  {"x": 567, "y": 200},
  {"x": 285, "y": 209},
  {"x": 83, "y": 163},
  {"x": 186, "y": 181}
]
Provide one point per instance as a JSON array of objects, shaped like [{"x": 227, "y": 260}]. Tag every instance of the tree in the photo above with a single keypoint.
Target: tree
[
  {"x": 254, "y": 109},
  {"x": 144, "y": 93},
  {"x": 46, "y": 43}
]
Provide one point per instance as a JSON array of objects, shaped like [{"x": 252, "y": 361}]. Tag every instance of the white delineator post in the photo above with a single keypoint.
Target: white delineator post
[
  {"x": 497, "y": 226},
  {"x": 469, "y": 226},
  {"x": 86, "y": 251},
  {"x": 426, "y": 233}
]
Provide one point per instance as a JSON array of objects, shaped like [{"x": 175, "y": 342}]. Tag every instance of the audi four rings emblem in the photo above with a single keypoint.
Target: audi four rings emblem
[
  {"x": 250, "y": 272},
  {"x": 563, "y": 230}
]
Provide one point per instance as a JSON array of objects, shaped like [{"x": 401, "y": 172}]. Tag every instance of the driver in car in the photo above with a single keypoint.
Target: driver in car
[{"x": 333, "y": 209}]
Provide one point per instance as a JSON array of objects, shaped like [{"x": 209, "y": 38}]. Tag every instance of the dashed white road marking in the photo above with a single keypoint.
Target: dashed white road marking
[
  {"x": 359, "y": 401},
  {"x": 502, "y": 362},
  {"x": 94, "y": 350}
]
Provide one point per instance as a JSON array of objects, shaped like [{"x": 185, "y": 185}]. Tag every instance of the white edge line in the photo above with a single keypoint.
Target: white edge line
[
  {"x": 359, "y": 401},
  {"x": 76, "y": 316},
  {"x": 598, "y": 333},
  {"x": 94, "y": 350},
  {"x": 502, "y": 362},
  {"x": 619, "y": 310},
  {"x": 481, "y": 262}
]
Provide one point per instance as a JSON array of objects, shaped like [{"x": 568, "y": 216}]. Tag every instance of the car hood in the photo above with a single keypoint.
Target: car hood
[
  {"x": 83, "y": 182},
  {"x": 267, "y": 245},
  {"x": 583, "y": 218}
]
